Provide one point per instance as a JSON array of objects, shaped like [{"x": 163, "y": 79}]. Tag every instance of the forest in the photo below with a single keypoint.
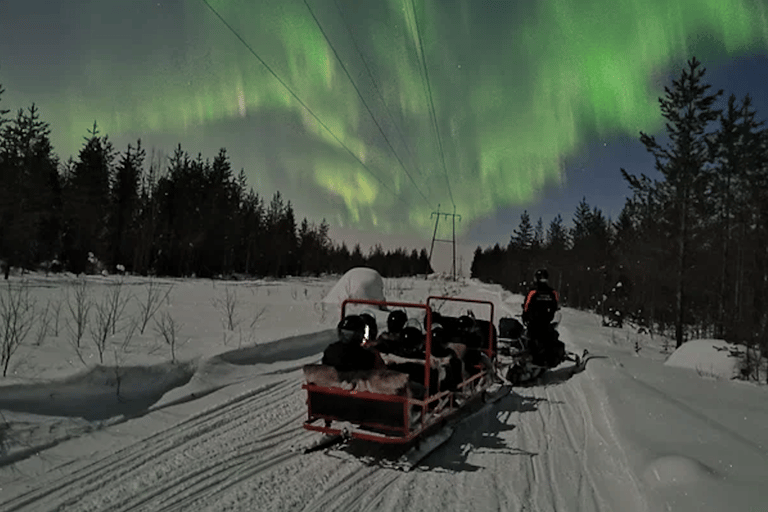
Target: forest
[
  {"x": 687, "y": 254},
  {"x": 177, "y": 216}
]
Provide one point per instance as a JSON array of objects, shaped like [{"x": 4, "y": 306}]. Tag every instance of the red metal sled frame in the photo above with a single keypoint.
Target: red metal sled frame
[{"x": 432, "y": 410}]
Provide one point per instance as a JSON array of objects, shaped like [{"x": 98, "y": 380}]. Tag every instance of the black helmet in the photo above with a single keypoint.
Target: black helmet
[
  {"x": 351, "y": 329},
  {"x": 466, "y": 323},
  {"x": 370, "y": 321},
  {"x": 396, "y": 320},
  {"x": 541, "y": 276},
  {"x": 438, "y": 333},
  {"x": 413, "y": 339}
]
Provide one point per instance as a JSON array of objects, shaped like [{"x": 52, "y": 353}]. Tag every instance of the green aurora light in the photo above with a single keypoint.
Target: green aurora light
[{"x": 518, "y": 87}]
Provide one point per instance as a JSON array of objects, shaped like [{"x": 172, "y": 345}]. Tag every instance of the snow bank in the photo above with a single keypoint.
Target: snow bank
[
  {"x": 711, "y": 358},
  {"x": 100, "y": 393},
  {"x": 357, "y": 283}
]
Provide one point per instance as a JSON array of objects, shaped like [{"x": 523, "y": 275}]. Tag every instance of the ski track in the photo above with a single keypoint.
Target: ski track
[
  {"x": 193, "y": 460},
  {"x": 544, "y": 448}
]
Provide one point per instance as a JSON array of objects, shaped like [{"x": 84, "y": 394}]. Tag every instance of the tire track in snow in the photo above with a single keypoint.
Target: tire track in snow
[
  {"x": 161, "y": 464},
  {"x": 575, "y": 467},
  {"x": 587, "y": 491}
]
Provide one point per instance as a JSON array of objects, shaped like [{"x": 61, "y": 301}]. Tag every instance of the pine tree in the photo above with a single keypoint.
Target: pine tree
[
  {"x": 477, "y": 264},
  {"x": 125, "y": 203},
  {"x": 538, "y": 235},
  {"x": 3, "y": 112},
  {"x": 580, "y": 232},
  {"x": 222, "y": 193},
  {"x": 252, "y": 220},
  {"x": 522, "y": 237},
  {"x": 557, "y": 236},
  {"x": 688, "y": 110},
  {"x": 86, "y": 201},
  {"x": 734, "y": 147},
  {"x": 30, "y": 200}
]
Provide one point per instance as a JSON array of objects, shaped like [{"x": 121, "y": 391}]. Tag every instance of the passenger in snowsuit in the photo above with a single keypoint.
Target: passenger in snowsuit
[
  {"x": 441, "y": 348},
  {"x": 348, "y": 354},
  {"x": 538, "y": 313}
]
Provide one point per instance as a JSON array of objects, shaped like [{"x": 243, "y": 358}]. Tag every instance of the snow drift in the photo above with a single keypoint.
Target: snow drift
[
  {"x": 712, "y": 358},
  {"x": 357, "y": 283}
]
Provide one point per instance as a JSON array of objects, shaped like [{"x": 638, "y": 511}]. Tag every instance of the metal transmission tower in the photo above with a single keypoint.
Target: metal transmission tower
[{"x": 437, "y": 216}]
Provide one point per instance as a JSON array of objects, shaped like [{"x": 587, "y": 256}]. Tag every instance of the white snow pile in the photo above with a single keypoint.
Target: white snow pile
[
  {"x": 357, "y": 283},
  {"x": 710, "y": 358}
]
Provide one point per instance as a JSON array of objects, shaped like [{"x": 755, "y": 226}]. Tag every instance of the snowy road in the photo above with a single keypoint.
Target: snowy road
[
  {"x": 628, "y": 433},
  {"x": 546, "y": 448}
]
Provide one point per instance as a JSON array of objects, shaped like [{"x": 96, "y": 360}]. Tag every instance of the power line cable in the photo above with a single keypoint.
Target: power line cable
[
  {"x": 431, "y": 102},
  {"x": 375, "y": 85},
  {"x": 253, "y": 52},
  {"x": 365, "y": 103}
]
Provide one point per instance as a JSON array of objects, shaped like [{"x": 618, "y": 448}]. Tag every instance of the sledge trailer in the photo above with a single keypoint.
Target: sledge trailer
[{"x": 396, "y": 404}]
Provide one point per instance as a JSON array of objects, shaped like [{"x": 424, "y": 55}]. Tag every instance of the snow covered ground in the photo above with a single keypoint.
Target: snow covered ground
[{"x": 220, "y": 429}]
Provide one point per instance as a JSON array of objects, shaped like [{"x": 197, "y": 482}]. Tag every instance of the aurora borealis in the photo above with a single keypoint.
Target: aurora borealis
[{"x": 518, "y": 87}]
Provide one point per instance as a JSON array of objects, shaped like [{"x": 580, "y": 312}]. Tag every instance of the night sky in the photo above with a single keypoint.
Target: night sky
[{"x": 537, "y": 103}]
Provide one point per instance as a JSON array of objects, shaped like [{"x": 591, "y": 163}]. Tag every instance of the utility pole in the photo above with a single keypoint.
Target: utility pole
[{"x": 437, "y": 216}]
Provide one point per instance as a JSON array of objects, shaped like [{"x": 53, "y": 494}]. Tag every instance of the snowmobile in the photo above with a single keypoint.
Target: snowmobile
[
  {"x": 527, "y": 357},
  {"x": 412, "y": 401}
]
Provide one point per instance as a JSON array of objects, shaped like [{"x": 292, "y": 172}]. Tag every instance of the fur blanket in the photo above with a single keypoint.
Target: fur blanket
[{"x": 381, "y": 381}]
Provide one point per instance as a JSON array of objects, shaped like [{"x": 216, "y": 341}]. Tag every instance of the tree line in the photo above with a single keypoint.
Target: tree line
[
  {"x": 180, "y": 216},
  {"x": 687, "y": 253}
]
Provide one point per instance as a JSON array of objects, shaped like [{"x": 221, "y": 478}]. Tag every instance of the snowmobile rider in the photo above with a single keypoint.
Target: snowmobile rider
[
  {"x": 348, "y": 354},
  {"x": 538, "y": 312}
]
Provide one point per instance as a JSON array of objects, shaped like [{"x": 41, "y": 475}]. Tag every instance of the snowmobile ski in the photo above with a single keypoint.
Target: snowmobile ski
[
  {"x": 325, "y": 442},
  {"x": 423, "y": 448}
]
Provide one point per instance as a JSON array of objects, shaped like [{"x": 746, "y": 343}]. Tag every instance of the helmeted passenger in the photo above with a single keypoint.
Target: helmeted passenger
[{"x": 348, "y": 354}]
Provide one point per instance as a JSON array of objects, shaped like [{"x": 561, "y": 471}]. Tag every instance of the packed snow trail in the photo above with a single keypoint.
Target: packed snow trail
[
  {"x": 536, "y": 450},
  {"x": 625, "y": 434}
]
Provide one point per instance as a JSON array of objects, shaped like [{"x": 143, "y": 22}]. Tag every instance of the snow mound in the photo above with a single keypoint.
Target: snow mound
[
  {"x": 357, "y": 283},
  {"x": 677, "y": 470},
  {"x": 711, "y": 358},
  {"x": 93, "y": 394}
]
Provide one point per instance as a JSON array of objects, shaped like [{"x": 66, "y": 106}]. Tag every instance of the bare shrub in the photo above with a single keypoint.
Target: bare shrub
[
  {"x": 17, "y": 316},
  {"x": 322, "y": 311},
  {"x": 56, "y": 311},
  {"x": 168, "y": 328},
  {"x": 43, "y": 324},
  {"x": 100, "y": 327},
  {"x": 107, "y": 313},
  {"x": 119, "y": 350},
  {"x": 151, "y": 302},
  {"x": 252, "y": 326},
  {"x": 78, "y": 305},
  {"x": 227, "y": 306},
  {"x": 117, "y": 301}
]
